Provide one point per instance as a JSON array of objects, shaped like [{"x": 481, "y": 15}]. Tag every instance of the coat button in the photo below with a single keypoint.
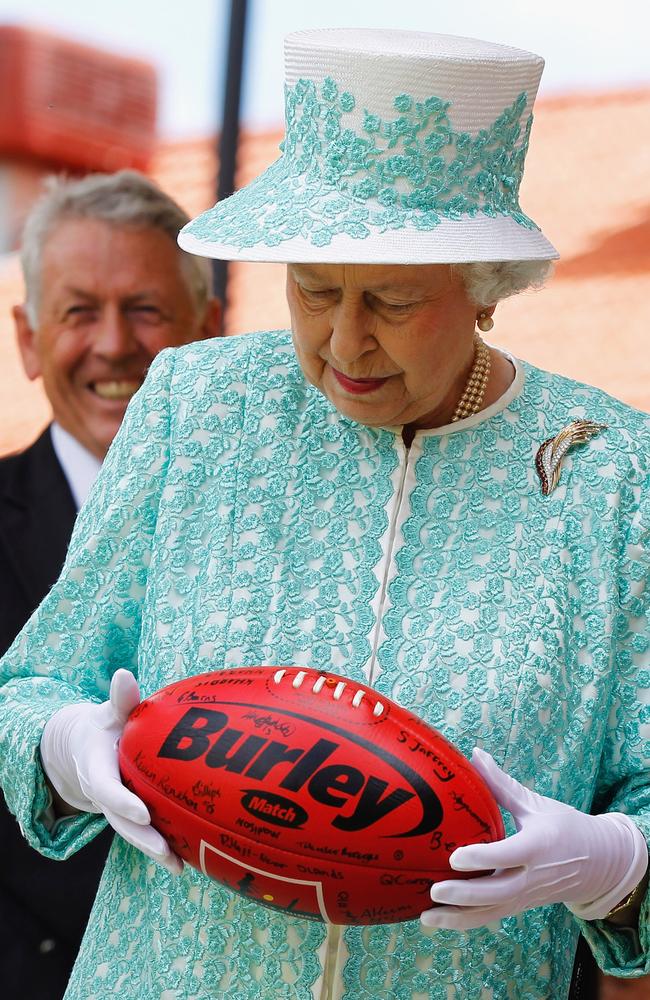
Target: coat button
[{"x": 46, "y": 946}]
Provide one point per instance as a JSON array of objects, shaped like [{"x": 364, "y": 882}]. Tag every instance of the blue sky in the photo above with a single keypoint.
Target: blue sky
[{"x": 587, "y": 44}]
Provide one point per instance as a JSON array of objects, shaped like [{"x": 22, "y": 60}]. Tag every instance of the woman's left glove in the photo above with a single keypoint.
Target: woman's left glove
[
  {"x": 558, "y": 855},
  {"x": 80, "y": 759}
]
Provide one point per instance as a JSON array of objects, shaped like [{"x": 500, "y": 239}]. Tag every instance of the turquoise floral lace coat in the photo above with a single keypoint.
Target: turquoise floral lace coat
[{"x": 240, "y": 519}]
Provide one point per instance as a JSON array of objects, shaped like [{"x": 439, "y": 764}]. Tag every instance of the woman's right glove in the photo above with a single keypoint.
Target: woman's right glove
[{"x": 80, "y": 759}]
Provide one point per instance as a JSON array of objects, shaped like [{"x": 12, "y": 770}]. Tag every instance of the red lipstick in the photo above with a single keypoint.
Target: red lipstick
[{"x": 358, "y": 385}]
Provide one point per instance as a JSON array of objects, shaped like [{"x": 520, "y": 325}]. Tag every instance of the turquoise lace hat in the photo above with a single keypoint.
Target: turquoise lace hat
[{"x": 400, "y": 147}]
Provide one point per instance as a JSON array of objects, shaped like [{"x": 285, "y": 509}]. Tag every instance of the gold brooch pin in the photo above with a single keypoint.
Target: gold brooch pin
[{"x": 550, "y": 454}]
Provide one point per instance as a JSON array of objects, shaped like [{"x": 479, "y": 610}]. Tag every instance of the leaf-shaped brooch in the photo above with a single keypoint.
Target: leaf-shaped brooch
[{"x": 548, "y": 459}]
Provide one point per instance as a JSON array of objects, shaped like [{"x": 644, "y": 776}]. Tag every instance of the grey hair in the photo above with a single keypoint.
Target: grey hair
[
  {"x": 487, "y": 282},
  {"x": 125, "y": 198}
]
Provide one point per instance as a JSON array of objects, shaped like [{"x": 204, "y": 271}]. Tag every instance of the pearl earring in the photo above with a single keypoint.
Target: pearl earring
[{"x": 484, "y": 322}]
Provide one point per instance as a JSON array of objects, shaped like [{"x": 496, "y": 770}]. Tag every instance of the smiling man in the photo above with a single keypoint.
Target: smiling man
[{"x": 107, "y": 288}]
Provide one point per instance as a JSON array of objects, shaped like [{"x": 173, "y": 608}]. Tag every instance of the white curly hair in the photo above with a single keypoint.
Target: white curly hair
[{"x": 490, "y": 281}]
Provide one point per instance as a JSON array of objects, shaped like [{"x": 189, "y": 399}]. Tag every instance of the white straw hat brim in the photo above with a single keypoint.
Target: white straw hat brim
[{"x": 466, "y": 239}]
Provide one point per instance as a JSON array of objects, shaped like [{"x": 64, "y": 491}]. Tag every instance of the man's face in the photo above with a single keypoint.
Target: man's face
[{"x": 111, "y": 298}]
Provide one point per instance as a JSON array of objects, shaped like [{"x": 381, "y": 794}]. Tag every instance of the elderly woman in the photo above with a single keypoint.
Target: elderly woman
[{"x": 382, "y": 495}]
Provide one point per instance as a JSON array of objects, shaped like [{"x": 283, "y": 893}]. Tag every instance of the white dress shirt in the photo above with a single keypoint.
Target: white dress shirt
[{"x": 79, "y": 465}]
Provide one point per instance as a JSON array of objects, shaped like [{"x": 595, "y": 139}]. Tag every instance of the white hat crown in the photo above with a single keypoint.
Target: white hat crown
[{"x": 399, "y": 147}]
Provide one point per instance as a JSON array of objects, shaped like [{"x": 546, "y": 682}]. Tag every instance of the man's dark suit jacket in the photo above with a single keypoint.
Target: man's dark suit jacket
[{"x": 44, "y": 904}]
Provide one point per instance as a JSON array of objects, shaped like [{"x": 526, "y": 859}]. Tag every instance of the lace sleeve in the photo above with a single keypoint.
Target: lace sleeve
[
  {"x": 89, "y": 623},
  {"x": 624, "y": 777}
]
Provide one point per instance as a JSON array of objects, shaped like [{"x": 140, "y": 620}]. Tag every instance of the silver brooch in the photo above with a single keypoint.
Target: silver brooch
[{"x": 550, "y": 454}]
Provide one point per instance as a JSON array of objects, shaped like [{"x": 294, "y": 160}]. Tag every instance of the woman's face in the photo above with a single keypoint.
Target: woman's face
[{"x": 387, "y": 344}]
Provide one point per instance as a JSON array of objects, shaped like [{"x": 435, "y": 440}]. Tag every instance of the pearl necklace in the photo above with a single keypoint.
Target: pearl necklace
[{"x": 473, "y": 395}]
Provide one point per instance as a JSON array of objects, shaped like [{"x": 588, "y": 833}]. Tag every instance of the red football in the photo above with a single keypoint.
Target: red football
[{"x": 305, "y": 791}]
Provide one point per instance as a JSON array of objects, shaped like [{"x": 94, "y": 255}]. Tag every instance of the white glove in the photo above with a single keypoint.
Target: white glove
[
  {"x": 558, "y": 855},
  {"x": 79, "y": 755}
]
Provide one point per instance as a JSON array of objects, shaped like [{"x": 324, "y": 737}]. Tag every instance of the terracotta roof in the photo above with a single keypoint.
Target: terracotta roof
[{"x": 590, "y": 194}]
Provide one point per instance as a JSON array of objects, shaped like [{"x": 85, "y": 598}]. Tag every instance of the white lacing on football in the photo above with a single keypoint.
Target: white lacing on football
[{"x": 319, "y": 684}]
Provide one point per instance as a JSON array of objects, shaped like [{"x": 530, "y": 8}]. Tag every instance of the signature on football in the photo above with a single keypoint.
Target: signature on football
[
  {"x": 268, "y": 724},
  {"x": 460, "y": 804}
]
